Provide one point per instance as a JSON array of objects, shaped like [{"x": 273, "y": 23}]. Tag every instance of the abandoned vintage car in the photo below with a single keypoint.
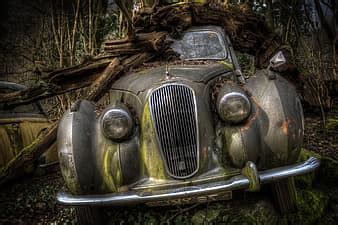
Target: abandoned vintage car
[
  {"x": 185, "y": 132},
  {"x": 20, "y": 126}
]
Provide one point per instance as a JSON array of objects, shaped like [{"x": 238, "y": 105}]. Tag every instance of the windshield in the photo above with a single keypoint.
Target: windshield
[{"x": 200, "y": 45}]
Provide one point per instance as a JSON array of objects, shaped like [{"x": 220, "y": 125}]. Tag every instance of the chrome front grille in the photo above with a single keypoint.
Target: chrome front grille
[{"x": 173, "y": 110}]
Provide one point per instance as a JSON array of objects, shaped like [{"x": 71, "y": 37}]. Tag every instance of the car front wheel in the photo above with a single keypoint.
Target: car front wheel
[{"x": 285, "y": 195}]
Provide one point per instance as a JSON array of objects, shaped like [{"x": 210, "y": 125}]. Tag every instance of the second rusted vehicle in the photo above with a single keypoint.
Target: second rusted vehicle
[
  {"x": 19, "y": 127},
  {"x": 185, "y": 132}
]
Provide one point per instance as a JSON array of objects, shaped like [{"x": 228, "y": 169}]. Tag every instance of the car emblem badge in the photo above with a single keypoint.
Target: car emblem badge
[{"x": 181, "y": 165}]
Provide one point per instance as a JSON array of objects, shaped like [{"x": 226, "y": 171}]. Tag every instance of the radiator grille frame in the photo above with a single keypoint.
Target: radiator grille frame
[{"x": 157, "y": 95}]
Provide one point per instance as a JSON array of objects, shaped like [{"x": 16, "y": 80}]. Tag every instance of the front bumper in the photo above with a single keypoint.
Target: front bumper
[{"x": 234, "y": 183}]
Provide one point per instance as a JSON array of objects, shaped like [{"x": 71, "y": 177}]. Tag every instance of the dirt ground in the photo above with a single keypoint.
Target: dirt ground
[{"x": 31, "y": 200}]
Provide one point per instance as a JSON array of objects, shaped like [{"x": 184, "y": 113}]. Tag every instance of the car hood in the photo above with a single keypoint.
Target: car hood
[{"x": 145, "y": 79}]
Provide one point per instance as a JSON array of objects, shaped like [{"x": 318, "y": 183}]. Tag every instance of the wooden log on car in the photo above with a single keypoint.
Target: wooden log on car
[
  {"x": 151, "y": 42},
  {"x": 139, "y": 38},
  {"x": 247, "y": 31},
  {"x": 83, "y": 69},
  {"x": 112, "y": 72}
]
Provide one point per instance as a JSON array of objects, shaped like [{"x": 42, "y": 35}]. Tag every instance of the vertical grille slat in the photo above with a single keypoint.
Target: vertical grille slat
[{"x": 173, "y": 110}]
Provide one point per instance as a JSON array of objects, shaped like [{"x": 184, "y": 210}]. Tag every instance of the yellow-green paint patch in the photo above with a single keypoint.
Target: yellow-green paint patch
[
  {"x": 111, "y": 173},
  {"x": 227, "y": 65},
  {"x": 150, "y": 155}
]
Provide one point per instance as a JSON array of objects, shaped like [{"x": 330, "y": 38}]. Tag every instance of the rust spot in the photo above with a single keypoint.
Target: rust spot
[{"x": 285, "y": 127}]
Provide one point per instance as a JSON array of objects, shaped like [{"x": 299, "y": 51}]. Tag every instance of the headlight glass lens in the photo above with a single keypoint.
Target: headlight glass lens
[
  {"x": 117, "y": 124},
  {"x": 234, "y": 107}
]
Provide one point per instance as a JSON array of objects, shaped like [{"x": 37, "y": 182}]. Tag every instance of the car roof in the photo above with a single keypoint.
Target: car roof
[{"x": 12, "y": 86}]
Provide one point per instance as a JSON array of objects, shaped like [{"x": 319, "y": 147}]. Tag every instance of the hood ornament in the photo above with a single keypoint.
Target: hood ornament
[{"x": 167, "y": 74}]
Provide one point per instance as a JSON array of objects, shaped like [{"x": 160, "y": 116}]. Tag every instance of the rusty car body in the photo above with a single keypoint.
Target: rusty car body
[
  {"x": 184, "y": 132},
  {"x": 20, "y": 126}
]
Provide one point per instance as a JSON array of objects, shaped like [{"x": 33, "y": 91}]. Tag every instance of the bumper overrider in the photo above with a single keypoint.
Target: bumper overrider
[{"x": 197, "y": 193}]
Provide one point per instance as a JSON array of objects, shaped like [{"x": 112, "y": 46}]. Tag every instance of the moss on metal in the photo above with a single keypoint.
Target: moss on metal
[
  {"x": 151, "y": 158},
  {"x": 228, "y": 66},
  {"x": 111, "y": 169}
]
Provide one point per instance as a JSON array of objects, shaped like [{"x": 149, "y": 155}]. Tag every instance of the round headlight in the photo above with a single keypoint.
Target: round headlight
[
  {"x": 117, "y": 123},
  {"x": 234, "y": 107}
]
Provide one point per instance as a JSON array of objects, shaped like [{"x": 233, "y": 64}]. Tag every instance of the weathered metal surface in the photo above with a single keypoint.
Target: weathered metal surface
[
  {"x": 144, "y": 80},
  {"x": 250, "y": 171},
  {"x": 234, "y": 183},
  {"x": 75, "y": 146},
  {"x": 281, "y": 120}
]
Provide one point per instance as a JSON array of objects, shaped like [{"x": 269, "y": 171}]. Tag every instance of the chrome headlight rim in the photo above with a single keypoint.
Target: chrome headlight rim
[
  {"x": 114, "y": 130},
  {"x": 223, "y": 100}
]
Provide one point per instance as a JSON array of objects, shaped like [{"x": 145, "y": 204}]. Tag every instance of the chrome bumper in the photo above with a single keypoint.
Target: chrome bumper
[{"x": 235, "y": 183}]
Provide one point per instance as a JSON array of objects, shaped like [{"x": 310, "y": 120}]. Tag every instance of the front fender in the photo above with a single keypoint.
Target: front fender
[
  {"x": 90, "y": 162},
  {"x": 75, "y": 145},
  {"x": 273, "y": 135},
  {"x": 282, "y": 126}
]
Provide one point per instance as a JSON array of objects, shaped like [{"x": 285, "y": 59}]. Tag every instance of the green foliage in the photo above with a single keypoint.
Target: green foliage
[
  {"x": 247, "y": 63},
  {"x": 332, "y": 123},
  {"x": 329, "y": 171},
  {"x": 311, "y": 205}
]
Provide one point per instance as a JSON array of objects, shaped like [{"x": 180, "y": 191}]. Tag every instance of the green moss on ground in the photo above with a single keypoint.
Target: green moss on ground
[
  {"x": 306, "y": 181},
  {"x": 311, "y": 206},
  {"x": 332, "y": 123},
  {"x": 328, "y": 171}
]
